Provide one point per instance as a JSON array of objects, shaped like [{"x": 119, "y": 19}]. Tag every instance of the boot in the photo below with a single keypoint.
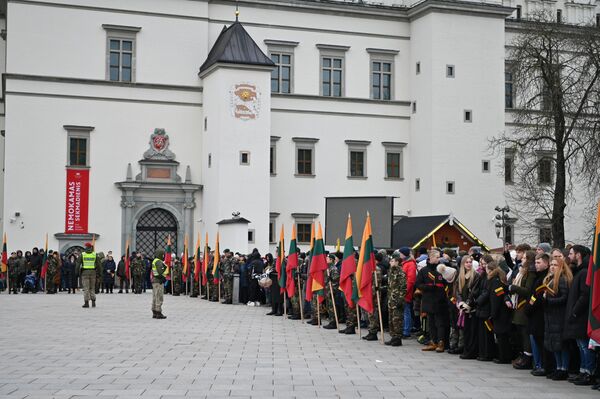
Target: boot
[
  {"x": 348, "y": 330},
  {"x": 93, "y": 303},
  {"x": 154, "y": 314},
  {"x": 430, "y": 347},
  {"x": 86, "y": 304},
  {"x": 396, "y": 341},
  {"x": 294, "y": 317},
  {"x": 523, "y": 363},
  {"x": 330, "y": 326},
  {"x": 120, "y": 292},
  {"x": 370, "y": 337},
  {"x": 159, "y": 315},
  {"x": 312, "y": 322},
  {"x": 440, "y": 347}
]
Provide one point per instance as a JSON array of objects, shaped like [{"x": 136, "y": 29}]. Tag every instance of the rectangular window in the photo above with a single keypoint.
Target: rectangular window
[
  {"x": 450, "y": 187},
  {"x": 417, "y": 184},
  {"x": 281, "y": 76},
  {"x": 381, "y": 80},
  {"x": 508, "y": 87},
  {"x": 357, "y": 163},
  {"x": 545, "y": 170},
  {"x": 120, "y": 60},
  {"x": 545, "y": 234},
  {"x": 414, "y": 107},
  {"x": 558, "y": 21},
  {"x": 509, "y": 166},
  {"x": 418, "y": 68},
  {"x": 305, "y": 161},
  {"x": 485, "y": 166},
  {"x": 597, "y": 20},
  {"x": 303, "y": 232},
  {"x": 251, "y": 236},
  {"x": 332, "y": 69},
  {"x": 519, "y": 12},
  {"x": 468, "y": 116},
  {"x": 449, "y": 71},
  {"x": 509, "y": 233},
  {"x": 77, "y": 151},
  {"x": 392, "y": 165},
  {"x": 244, "y": 158},
  {"x": 272, "y": 231},
  {"x": 272, "y": 159}
]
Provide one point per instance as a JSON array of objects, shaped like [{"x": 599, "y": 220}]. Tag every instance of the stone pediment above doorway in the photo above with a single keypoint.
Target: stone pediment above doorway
[{"x": 156, "y": 187}]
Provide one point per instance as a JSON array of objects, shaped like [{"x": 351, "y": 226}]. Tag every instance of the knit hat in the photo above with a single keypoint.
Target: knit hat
[
  {"x": 405, "y": 251},
  {"x": 544, "y": 246},
  {"x": 448, "y": 273}
]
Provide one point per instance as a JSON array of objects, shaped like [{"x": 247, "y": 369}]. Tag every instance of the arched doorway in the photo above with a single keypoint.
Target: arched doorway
[{"x": 152, "y": 230}]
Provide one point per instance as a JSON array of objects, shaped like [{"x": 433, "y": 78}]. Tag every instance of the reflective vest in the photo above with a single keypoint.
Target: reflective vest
[
  {"x": 155, "y": 271},
  {"x": 89, "y": 260}
]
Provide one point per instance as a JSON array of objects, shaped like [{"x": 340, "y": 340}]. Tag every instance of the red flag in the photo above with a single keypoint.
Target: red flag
[
  {"x": 318, "y": 265},
  {"x": 45, "y": 259},
  {"x": 593, "y": 280},
  {"x": 280, "y": 263},
  {"x": 197, "y": 260},
  {"x": 186, "y": 265},
  {"x": 168, "y": 257},
  {"x": 4, "y": 268},
  {"x": 127, "y": 261},
  {"x": 365, "y": 269},
  {"x": 292, "y": 263},
  {"x": 347, "y": 285}
]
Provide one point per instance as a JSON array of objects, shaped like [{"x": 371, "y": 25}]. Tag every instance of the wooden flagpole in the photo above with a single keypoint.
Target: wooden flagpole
[
  {"x": 379, "y": 306},
  {"x": 300, "y": 300},
  {"x": 337, "y": 323}
]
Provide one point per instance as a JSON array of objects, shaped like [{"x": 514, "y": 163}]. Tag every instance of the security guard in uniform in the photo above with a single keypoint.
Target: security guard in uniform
[
  {"x": 88, "y": 263},
  {"x": 160, "y": 271}
]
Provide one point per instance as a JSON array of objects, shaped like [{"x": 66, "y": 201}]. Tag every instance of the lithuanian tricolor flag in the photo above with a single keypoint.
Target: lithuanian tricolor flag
[
  {"x": 365, "y": 269},
  {"x": 45, "y": 258},
  {"x": 186, "y": 264},
  {"x": 205, "y": 260},
  {"x": 216, "y": 262},
  {"x": 593, "y": 280},
  {"x": 127, "y": 261},
  {"x": 4, "y": 267},
  {"x": 197, "y": 260},
  {"x": 168, "y": 257},
  {"x": 318, "y": 265},
  {"x": 280, "y": 262},
  {"x": 347, "y": 284},
  {"x": 292, "y": 263}
]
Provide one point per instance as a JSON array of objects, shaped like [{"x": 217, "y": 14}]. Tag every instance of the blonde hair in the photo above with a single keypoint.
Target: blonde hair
[
  {"x": 463, "y": 274},
  {"x": 563, "y": 269}
]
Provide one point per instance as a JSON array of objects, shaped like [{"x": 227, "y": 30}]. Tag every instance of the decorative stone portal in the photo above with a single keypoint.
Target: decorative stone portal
[{"x": 157, "y": 203}]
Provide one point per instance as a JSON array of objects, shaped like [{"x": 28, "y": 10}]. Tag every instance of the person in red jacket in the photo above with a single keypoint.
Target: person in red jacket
[{"x": 410, "y": 269}]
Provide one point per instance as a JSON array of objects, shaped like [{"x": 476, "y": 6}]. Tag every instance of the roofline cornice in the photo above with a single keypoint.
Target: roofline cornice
[{"x": 459, "y": 7}]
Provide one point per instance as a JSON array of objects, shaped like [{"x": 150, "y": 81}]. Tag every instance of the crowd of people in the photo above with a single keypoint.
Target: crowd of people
[{"x": 527, "y": 307}]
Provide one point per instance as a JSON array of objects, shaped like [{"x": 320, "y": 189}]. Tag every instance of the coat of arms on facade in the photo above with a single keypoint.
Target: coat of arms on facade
[
  {"x": 245, "y": 101},
  {"x": 159, "y": 146}
]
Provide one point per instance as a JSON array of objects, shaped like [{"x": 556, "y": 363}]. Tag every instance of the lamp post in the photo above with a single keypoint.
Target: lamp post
[{"x": 501, "y": 222}]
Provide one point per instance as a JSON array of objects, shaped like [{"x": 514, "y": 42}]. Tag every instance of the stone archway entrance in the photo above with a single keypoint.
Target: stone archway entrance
[{"x": 152, "y": 230}]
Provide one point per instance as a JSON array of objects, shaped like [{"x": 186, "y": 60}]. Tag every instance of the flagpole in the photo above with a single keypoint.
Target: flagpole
[
  {"x": 358, "y": 319},
  {"x": 284, "y": 304},
  {"x": 7, "y": 279},
  {"x": 318, "y": 312},
  {"x": 379, "y": 306},
  {"x": 219, "y": 288},
  {"x": 337, "y": 323},
  {"x": 300, "y": 300}
]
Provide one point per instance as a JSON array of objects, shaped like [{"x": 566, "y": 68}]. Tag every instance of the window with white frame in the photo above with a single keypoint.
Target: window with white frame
[
  {"x": 509, "y": 165},
  {"x": 450, "y": 71},
  {"x": 282, "y": 55},
  {"x": 120, "y": 52},
  {"x": 332, "y": 74},
  {"x": 78, "y": 145},
  {"x": 245, "y": 158},
  {"x": 304, "y": 222},
  {"x": 305, "y": 156},
  {"x": 450, "y": 187},
  {"x": 394, "y": 169},
  {"x": 357, "y": 158},
  {"x": 273, "y": 155},
  {"x": 382, "y": 73},
  {"x": 273, "y": 227}
]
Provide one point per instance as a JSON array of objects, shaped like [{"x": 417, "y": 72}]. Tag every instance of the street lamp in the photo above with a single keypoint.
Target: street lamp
[{"x": 501, "y": 221}]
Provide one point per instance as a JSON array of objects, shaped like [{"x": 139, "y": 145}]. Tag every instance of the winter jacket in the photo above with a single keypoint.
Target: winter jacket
[
  {"x": 432, "y": 285},
  {"x": 534, "y": 308},
  {"x": 554, "y": 315},
  {"x": 500, "y": 314},
  {"x": 109, "y": 271},
  {"x": 410, "y": 270},
  {"x": 483, "y": 308},
  {"x": 121, "y": 269},
  {"x": 523, "y": 291},
  {"x": 576, "y": 316}
]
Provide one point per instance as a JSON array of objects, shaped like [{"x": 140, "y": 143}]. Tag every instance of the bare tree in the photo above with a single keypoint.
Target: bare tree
[{"x": 553, "y": 129}]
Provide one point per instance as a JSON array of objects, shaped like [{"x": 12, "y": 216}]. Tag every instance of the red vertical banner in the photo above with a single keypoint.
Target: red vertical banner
[{"x": 76, "y": 215}]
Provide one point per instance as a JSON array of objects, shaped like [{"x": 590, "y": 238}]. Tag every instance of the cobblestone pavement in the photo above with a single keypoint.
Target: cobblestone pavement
[{"x": 52, "y": 348}]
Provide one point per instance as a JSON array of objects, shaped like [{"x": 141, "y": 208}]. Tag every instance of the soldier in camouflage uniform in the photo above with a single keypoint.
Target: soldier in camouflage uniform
[
  {"x": 374, "y": 317},
  {"x": 351, "y": 319},
  {"x": 13, "y": 274},
  {"x": 176, "y": 275},
  {"x": 52, "y": 272},
  {"x": 296, "y": 300},
  {"x": 137, "y": 271},
  {"x": 195, "y": 279},
  {"x": 332, "y": 281},
  {"x": 227, "y": 270},
  {"x": 396, "y": 294}
]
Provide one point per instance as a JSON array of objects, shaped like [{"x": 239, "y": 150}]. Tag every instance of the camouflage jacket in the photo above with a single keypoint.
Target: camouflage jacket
[
  {"x": 333, "y": 276},
  {"x": 137, "y": 267},
  {"x": 229, "y": 267},
  {"x": 13, "y": 267},
  {"x": 177, "y": 270},
  {"x": 396, "y": 285},
  {"x": 52, "y": 265}
]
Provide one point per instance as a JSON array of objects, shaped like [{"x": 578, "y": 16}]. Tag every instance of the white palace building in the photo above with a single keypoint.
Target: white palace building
[{"x": 135, "y": 119}]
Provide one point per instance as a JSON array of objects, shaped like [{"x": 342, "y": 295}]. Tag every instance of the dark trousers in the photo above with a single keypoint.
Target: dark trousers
[
  {"x": 438, "y": 325},
  {"x": 504, "y": 348},
  {"x": 123, "y": 282},
  {"x": 471, "y": 334},
  {"x": 485, "y": 340},
  {"x": 276, "y": 296}
]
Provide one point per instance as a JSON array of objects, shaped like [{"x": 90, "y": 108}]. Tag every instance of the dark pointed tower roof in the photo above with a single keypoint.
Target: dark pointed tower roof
[{"x": 235, "y": 46}]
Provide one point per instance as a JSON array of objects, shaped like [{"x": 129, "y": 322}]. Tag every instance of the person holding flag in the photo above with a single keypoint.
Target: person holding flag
[
  {"x": 348, "y": 282},
  {"x": 87, "y": 264},
  {"x": 315, "y": 286},
  {"x": 292, "y": 284}
]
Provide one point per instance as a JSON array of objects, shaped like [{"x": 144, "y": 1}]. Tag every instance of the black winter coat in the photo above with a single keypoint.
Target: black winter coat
[
  {"x": 432, "y": 285},
  {"x": 576, "y": 316},
  {"x": 500, "y": 314},
  {"x": 534, "y": 309},
  {"x": 481, "y": 293},
  {"x": 554, "y": 316}
]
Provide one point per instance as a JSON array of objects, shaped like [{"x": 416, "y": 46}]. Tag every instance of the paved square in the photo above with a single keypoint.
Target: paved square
[{"x": 52, "y": 348}]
